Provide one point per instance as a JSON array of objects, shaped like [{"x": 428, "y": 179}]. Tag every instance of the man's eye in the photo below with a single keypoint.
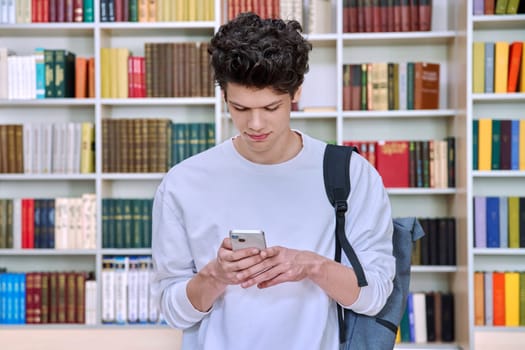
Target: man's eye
[
  {"x": 272, "y": 109},
  {"x": 239, "y": 109}
]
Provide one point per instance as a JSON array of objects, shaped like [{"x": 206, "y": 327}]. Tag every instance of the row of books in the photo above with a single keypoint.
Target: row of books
[
  {"x": 428, "y": 317},
  {"x": 45, "y": 74},
  {"x": 156, "y": 10},
  {"x": 417, "y": 163},
  {"x": 499, "y": 298},
  {"x": 391, "y": 86},
  {"x": 438, "y": 246},
  {"x": 387, "y": 16},
  {"x": 497, "y": 67},
  {"x": 126, "y": 222},
  {"x": 499, "y": 222},
  {"x": 47, "y": 11},
  {"x": 126, "y": 296},
  {"x": 498, "y": 144},
  {"x": 47, "y": 148},
  {"x": 56, "y": 223},
  {"x": 48, "y": 297},
  {"x": 155, "y": 144},
  {"x": 286, "y": 9},
  {"x": 498, "y": 7},
  {"x": 166, "y": 70}
]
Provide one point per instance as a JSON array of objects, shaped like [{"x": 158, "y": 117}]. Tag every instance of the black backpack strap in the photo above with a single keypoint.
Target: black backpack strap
[
  {"x": 336, "y": 172},
  {"x": 336, "y": 168}
]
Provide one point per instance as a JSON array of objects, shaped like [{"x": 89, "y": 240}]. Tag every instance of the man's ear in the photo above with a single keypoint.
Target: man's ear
[{"x": 297, "y": 94}]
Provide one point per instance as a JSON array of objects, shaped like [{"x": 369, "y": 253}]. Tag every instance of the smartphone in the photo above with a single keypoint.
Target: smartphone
[{"x": 247, "y": 239}]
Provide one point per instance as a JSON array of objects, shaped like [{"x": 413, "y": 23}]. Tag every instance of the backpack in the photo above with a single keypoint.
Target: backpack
[{"x": 357, "y": 331}]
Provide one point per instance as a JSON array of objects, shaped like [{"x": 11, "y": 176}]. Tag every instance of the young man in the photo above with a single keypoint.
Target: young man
[{"x": 268, "y": 177}]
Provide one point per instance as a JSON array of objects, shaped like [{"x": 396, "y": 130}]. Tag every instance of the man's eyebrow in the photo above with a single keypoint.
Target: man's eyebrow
[{"x": 272, "y": 104}]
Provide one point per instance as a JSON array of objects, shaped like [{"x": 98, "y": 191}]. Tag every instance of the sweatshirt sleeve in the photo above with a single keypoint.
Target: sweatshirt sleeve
[
  {"x": 173, "y": 265},
  {"x": 369, "y": 229}
]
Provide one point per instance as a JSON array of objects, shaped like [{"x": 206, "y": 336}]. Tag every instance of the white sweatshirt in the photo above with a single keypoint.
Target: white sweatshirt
[{"x": 205, "y": 196}]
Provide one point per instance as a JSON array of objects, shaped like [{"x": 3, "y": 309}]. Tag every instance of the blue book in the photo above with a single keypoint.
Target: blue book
[
  {"x": 489, "y": 67},
  {"x": 411, "y": 317},
  {"x": 493, "y": 222},
  {"x": 503, "y": 222},
  {"x": 514, "y": 144},
  {"x": 40, "y": 73}
]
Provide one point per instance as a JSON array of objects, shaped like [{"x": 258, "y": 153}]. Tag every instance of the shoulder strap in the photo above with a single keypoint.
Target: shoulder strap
[{"x": 336, "y": 171}]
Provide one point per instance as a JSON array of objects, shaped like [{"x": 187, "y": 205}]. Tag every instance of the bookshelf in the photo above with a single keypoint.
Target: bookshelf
[
  {"x": 482, "y": 27},
  {"x": 445, "y": 43}
]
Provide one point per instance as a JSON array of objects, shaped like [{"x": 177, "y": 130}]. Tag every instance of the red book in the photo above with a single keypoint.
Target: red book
[
  {"x": 28, "y": 219},
  {"x": 45, "y": 11},
  {"x": 392, "y": 162},
  {"x": 405, "y": 16},
  {"x": 397, "y": 15},
  {"x": 425, "y": 15},
  {"x": 414, "y": 15},
  {"x": 131, "y": 76},
  {"x": 515, "y": 59},
  {"x": 34, "y": 12},
  {"x": 368, "y": 12},
  {"x": 61, "y": 10},
  {"x": 52, "y": 10},
  {"x": 498, "y": 298},
  {"x": 347, "y": 19},
  {"x": 142, "y": 77},
  {"x": 376, "y": 16},
  {"x": 383, "y": 5},
  {"x": 119, "y": 13},
  {"x": 69, "y": 11},
  {"x": 78, "y": 10}
]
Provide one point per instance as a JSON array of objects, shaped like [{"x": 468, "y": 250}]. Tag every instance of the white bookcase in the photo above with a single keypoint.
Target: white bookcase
[
  {"x": 492, "y": 183},
  {"x": 447, "y": 43}
]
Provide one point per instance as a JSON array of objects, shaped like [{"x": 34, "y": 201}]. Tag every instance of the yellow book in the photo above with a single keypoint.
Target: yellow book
[
  {"x": 181, "y": 5},
  {"x": 113, "y": 73},
  {"x": 152, "y": 10},
  {"x": 105, "y": 72},
  {"x": 143, "y": 10},
  {"x": 398, "y": 335},
  {"x": 514, "y": 222},
  {"x": 512, "y": 298},
  {"x": 478, "y": 67},
  {"x": 192, "y": 10},
  {"x": 121, "y": 68},
  {"x": 87, "y": 148},
  {"x": 485, "y": 144},
  {"x": 521, "y": 141},
  {"x": 210, "y": 5},
  {"x": 501, "y": 66}
]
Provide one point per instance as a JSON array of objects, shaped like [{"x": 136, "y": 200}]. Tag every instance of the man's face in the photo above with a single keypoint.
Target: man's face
[{"x": 262, "y": 117}]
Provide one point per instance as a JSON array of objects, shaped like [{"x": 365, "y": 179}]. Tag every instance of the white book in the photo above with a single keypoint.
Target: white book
[
  {"x": 17, "y": 223},
  {"x": 91, "y": 302},
  {"x": 89, "y": 213},
  {"x": 133, "y": 290},
  {"x": 12, "y": 78},
  {"x": 489, "y": 305},
  {"x": 420, "y": 317},
  {"x": 76, "y": 224},
  {"x": 77, "y": 148},
  {"x": 153, "y": 307},
  {"x": 70, "y": 148},
  {"x": 47, "y": 148},
  {"x": 11, "y": 12},
  {"x": 108, "y": 290},
  {"x": 36, "y": 131},
  {"x": 121, "y": 284},
  {"x": 31, "y": 73},
  {"x": 402, "y": 88},
  {"x": 320, "y": 18},
  {"x": 28, "y": 148},
  {"x": 143, "y": 290},
  {"x": 4, "y": 80},
  {"x": 61, "y": 223},
  {"x": 286, "y": 9}
]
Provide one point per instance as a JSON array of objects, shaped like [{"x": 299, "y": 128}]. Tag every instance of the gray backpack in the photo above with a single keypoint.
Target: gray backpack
[{"x": 357, "y": 331}]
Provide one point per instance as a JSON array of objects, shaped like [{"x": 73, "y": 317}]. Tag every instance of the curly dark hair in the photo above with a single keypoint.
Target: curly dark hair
[{"x": 256, "y": 52}]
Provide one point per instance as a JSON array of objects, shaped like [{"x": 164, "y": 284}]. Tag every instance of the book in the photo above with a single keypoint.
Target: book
[
  {"x": 501, "y": 64},
  {"x": 479, "y": 298},
  {"x": 485, "y": 144},
  {"x": 393, "y": 155},
  {"x": 426, "y": 85}
]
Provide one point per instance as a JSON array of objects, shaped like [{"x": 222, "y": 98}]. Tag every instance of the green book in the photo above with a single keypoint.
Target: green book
[
  {"x": 512, "y": 7},
  {"x": 3, "y": 223},
  {"x": 134, "y": 11},
  {"x": 137, "y": 227},
  {"x": 146, "y": 209},
  {"x": 49, "y": 67},
  {"x": 193, "y": 140},
  {"x": 127, "y": 222},
  {"x": 501, "y": 7},
  {"x": 210, "y": 131},
  {"x": 105, "y": 223},
  {"x": 89, "y": 11},
  {"x": 410, "y": 85},
  {"x": 496, "y": 144},
  {"x": 64, "y": 74}
]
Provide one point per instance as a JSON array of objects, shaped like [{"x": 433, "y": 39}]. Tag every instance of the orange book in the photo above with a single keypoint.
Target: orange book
[
  {"x": 515, "y": 52},
  {"x": 479, "y": 298},
  {"x": 81, "y": 77},
  {"x": 501, "y": 66},
  {"x": 522, "y": 74},
  {"x": 392, "y": 162},
  {"x": 91, "y": 77},
  {"x": 498, "y": 289},
  {"x": 426, "y": 85}
]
